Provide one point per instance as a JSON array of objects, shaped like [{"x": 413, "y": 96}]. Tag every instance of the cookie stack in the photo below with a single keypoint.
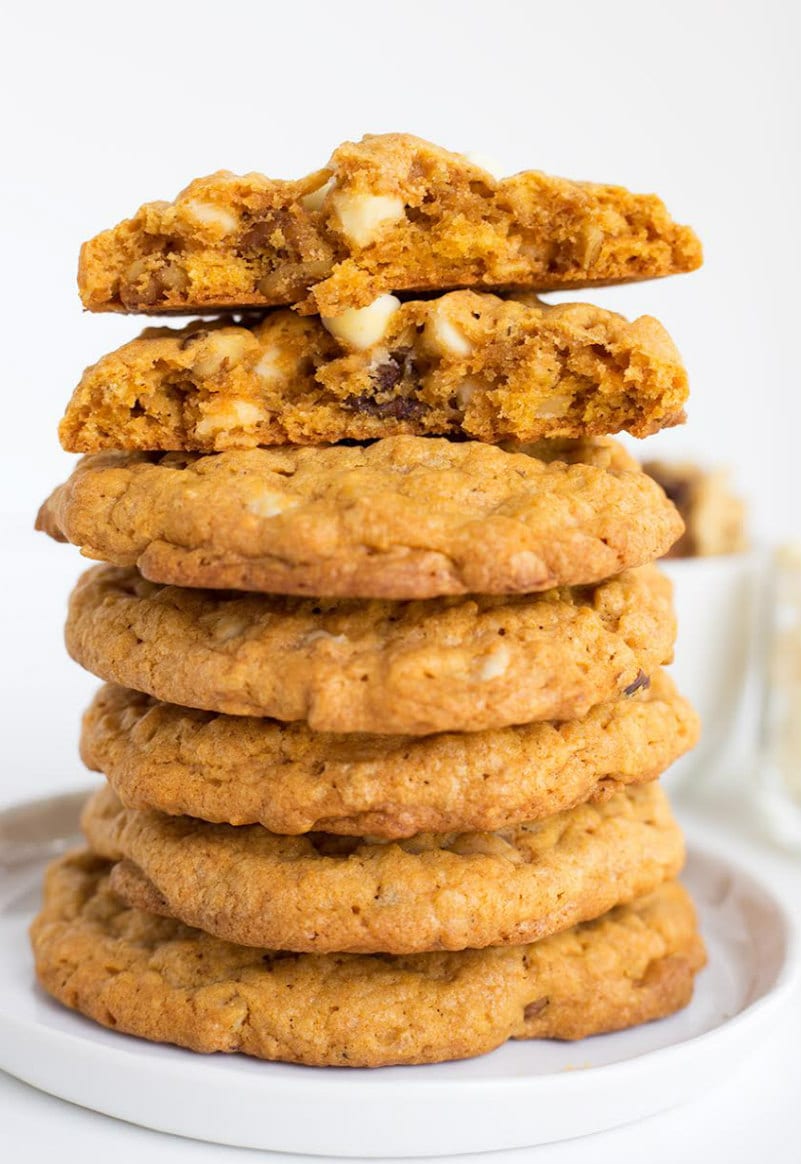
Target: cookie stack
[{"x": 381, "y": 636}]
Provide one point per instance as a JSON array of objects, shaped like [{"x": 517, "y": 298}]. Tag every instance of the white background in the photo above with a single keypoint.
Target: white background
[{"x": 105, "y": 106}]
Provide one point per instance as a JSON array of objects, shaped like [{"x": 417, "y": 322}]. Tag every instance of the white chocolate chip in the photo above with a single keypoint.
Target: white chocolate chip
[
  {"x": 228, "y": 414},
  {"x": 485, "y": 162},
  {"x": 269, "y": 367},
  {"x": 245, "y": 411},
  {"x": 363, "y": 217},
  {"x": 210, "y": 214},
  {"x": 211, "y": 423},
  {"x": 230, "y": 626},
  {"x": 495, "y": 664},
  {"x": 315, "y": 199},
  {"x": 317, "y": 635},
  {"x": 361, "y": 327},
  {"x": 444, "y": 337},
  {"x": 219, "y": 348},
  {"x": 269, "y": 504},
  {"x": 466, "y": 391},
  {"x": 555, "y": 405}
]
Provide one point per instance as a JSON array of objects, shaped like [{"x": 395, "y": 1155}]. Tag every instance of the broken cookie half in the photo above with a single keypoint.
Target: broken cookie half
[
  {"x": 463, "y": 364},
  {"x": 391, "y": 213}
]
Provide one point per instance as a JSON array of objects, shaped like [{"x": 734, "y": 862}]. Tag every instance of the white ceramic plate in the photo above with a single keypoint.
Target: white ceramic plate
[
  {"x": 717, "y": 602},
  {"x": 520, "y": 1095}
]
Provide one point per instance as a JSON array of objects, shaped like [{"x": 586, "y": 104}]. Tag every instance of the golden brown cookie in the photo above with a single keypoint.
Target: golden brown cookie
[
  {"x": 389, "y": 213},
  {"x": 464, "y": 364},
  {"x": 393, "y": 668},
  {"x": 243, "y": 770},
  {"x": 435, "y": 891},
  {"x": 158, "y": 979},
  {"x": 406, "y": 517}
]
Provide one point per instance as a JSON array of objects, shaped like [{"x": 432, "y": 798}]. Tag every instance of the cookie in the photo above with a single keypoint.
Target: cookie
[
  {"x": 160, "y": 980},
  {"x": 435, "y": 891},
  {"x": 406, "y": 517},
  {"x": 392, "y": 668},
  {"x": 390, "y": 213},
  {"x": 240, "y": 770},
  {"x": 465, "y": 364},
  {"x": 714, "y": 517}
]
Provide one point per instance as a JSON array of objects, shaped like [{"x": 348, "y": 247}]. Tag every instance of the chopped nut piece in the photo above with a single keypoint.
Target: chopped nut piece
[
  {"x": 641, "y": 683},
  {"x": 534, "y": 1008}
]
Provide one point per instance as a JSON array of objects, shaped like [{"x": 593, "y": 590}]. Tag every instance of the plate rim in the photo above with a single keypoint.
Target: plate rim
[{"x": 410, "y": 1087}]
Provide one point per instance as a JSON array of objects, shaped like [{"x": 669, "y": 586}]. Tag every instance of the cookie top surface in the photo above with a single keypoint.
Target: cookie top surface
[
  {"x": 465, "y": 364},
  {"x": 373, "y": 666},
  {"x": 405, "y": 517},
  {"x": 388, "y": 213},
  {"x": 156, "y": 978},
  {"x": 434, "y": 891},
  {"x": 243, "y": 770}
]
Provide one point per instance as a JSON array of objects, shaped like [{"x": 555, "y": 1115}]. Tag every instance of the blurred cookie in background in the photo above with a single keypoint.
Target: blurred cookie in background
[{"x": 714, "y": 516}]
